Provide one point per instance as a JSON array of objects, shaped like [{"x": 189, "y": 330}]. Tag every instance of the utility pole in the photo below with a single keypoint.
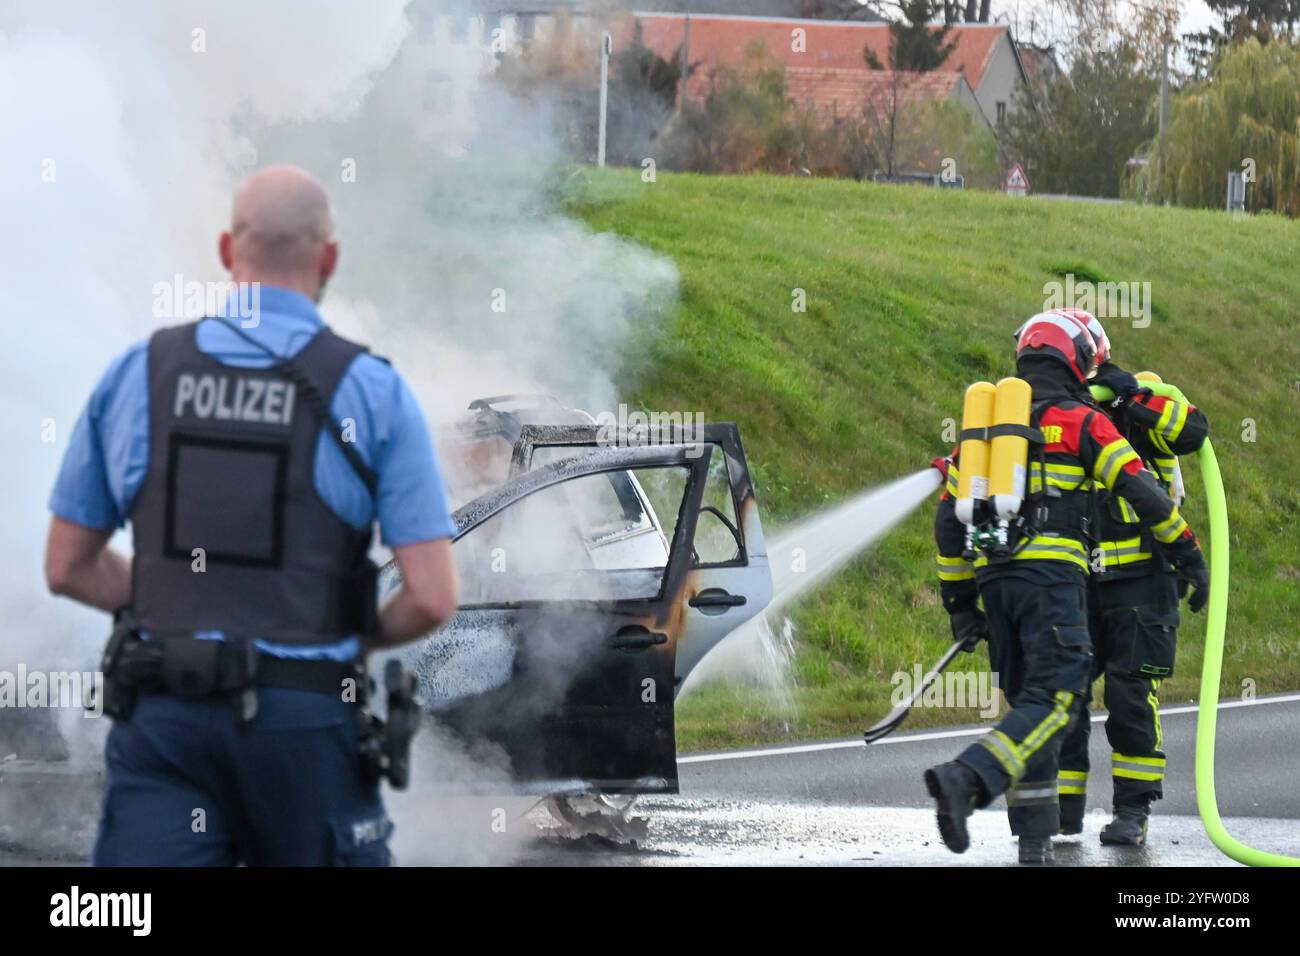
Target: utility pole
[
  {"x": 686, "y": 64},
  {"x": 1164, "y": 94},
  {"x": 1164, "y": 115},
  {"x": 606, "y": 46}
]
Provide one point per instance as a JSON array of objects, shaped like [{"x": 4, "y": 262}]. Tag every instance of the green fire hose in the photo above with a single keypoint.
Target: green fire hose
[{"x": 1212, "y": 667}]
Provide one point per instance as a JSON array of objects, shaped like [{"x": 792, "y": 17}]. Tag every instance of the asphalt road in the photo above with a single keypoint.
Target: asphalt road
[
  {"x": 1257, "y": 765},
  {"x": 826, "y": 803},
  {"x": 840, "y": 802}
]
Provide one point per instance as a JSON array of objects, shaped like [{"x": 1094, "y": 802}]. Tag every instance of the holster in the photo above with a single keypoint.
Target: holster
[
  {"x": 386, "y": 744},
  {"x": 119, "y": 693}
]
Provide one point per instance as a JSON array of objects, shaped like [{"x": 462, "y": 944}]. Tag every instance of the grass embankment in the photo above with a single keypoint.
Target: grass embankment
[{"x": 911, "y": 295}]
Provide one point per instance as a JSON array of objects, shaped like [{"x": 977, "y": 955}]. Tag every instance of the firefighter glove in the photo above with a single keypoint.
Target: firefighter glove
[
  {"x": 1124, "y": 384},
  {"x": 1193, "y": 575},
  {"x": 969, "y": 626}
]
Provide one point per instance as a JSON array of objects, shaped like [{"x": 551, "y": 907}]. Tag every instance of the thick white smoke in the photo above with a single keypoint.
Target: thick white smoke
[
  {"x": 121, "y": 146},
  {"x": 125, "y": 130}
]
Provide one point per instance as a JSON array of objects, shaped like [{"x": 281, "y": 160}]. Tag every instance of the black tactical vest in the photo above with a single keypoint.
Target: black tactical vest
[{"x": 232, "y": 455}]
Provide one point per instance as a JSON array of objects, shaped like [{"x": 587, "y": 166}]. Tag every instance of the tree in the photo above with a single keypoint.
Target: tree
[
  {"x": 1245, "y": 117},
  {"x": 1087, "y": 124},
  {"x": 836, "y": 10},
  {"x": 1148, "y": 29},
  {"x": 915, "y": 48},
  {"x": 1240, "y": 20},
  {"x": 933, "y": 131},
  {"x": 914, "y": 44},
  {"x": 882, "y": 114},
  {"x": 744, "y": 123},
  {"x": 1081, "y": 27},
  {"x": 563, "y": 68},
  {"x": 643, "y": 88},
  {"x": 971, "y": 11}
]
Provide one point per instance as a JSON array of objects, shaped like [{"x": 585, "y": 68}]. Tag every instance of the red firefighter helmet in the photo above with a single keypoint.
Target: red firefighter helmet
[
  {"x": 1062, "y": 337},
  {"x": 1094, "y": 327}
]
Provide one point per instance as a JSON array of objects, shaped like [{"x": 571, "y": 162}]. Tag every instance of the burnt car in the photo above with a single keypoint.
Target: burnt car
[{"x": 597, "y": 569}]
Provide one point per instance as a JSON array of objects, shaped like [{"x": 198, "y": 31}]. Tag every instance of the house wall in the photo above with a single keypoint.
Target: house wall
[
  {"x": 1001, "y": 81},
  {"x": 964, "y": 95}
]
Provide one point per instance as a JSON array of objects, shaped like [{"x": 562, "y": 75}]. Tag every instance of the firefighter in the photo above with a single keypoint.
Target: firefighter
[
  {"x": 1035, "y": 596},
  {"x": 1133, "y": 604}
]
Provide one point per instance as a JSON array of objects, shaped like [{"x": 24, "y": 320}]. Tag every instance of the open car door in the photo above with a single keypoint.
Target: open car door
[
  {"x": 729, "y": 580},
  {"x": 592, "y": 581}
]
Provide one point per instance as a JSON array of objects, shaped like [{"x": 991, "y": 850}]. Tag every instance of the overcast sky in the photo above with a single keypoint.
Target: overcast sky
[{"x": 1196, "y": 15}]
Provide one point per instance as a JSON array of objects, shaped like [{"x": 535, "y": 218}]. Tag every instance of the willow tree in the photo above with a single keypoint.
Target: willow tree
[{"x": 1244, "y": 118}]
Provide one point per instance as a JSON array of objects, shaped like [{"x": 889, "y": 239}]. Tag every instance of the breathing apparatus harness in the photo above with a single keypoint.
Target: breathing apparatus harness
[
  {"x": 1002, "y": 511},
  {"x": 1001, "y": 539}
]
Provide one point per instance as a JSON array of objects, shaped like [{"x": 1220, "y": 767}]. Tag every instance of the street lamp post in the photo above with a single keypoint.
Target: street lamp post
[{"x": 606, "y": 45}]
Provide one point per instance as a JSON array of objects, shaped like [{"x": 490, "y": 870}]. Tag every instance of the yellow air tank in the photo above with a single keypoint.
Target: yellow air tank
[
  {"x": 973, "y": 466},
  {"x": 1009, "y": 455}
]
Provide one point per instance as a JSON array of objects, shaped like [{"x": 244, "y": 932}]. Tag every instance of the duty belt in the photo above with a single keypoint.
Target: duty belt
[
  {"x": 186, "y": 666},
  {"x": 199, "y": 667}
]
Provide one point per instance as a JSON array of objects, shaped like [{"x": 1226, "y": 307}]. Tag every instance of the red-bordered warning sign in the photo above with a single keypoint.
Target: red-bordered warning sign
[{"x": 1016, "y": 183}]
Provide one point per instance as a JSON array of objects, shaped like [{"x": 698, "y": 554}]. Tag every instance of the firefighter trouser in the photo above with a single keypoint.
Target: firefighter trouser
[
  {"x": 1039, "y": 649},
  {"x": 1134, "y": 623}
]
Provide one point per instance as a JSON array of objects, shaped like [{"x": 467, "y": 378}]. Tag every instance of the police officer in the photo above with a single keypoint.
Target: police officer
[
  {"x": 1133, "y": 606},
  {"x": 1035, "y": 602},
  {"x": 252, "y": 452}
]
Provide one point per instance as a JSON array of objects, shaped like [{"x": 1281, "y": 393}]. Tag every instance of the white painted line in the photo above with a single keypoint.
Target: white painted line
[
  {"x": 771, "y": 752},
  {"x": 948, "y": 734}
]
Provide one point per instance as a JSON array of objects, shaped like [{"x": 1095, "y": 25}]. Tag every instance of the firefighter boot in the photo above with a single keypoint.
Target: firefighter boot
[
  {"x": 1128, "y": 828},
  {"x": 1036, "y": 850},
  {"x": 956, "y": 790},
  {"x": 1072, "y": 807}
]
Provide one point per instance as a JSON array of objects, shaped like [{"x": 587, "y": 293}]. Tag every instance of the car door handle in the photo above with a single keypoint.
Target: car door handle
[
  {"x": 634, "y": 637},
  {"x": 716, "y": 601}
]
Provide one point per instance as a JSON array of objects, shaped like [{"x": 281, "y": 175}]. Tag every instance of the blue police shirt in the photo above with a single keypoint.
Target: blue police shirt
[{"x": 108, "y": 453}]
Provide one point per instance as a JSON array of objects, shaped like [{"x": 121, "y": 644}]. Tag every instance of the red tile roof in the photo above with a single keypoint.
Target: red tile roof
[
  {"x": 830, "y": 45},
  {"x": 848, "y": 92},
  {"x": 1039, "y": 62}
]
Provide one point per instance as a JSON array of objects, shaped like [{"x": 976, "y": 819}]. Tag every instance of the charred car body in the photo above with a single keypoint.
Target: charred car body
[{"x": 597, "y": 570}]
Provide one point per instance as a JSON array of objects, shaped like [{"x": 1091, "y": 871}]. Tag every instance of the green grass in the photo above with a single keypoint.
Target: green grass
[{"x": 911, "y": 295}]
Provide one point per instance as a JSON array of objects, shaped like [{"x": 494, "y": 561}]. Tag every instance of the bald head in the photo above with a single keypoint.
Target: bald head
[{"x": 281, "y": 231}]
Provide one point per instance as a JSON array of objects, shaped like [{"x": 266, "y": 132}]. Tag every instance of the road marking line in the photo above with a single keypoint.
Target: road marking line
[{"x": 948, "y": 734}]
